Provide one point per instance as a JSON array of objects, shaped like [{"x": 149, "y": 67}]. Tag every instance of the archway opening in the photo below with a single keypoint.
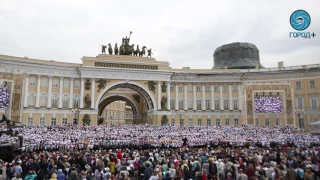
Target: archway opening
[{"x": 117, "y": 112}]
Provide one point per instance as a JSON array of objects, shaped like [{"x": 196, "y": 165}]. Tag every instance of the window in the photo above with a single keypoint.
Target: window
[
  {"x": 198, "y": 88},
  {"x": 267, "y": 122},
  {"x": 32, "y": 81},
  {"x": 218, "y": 122},
  {"x": 54, "y": 100},
  {"x": 207, "y": 104},
  {"x": 226, "y": 104},
  {"x": 181, "y": 104},
  {"x": 65, "y": 101},
  {"x": 190, "y": 121},
  {"x": 257, "y": 122},
  {"x": 66, "y": 83},
  {"x": 314, "y": 103},
  {"x": 225, "y": 87},
  {"x": 172, "y": 103},
  {"x": 298, "y": 85},
  {"x": 300, "y": 102},
  {"x": 301, "y": 123},
  {"x": 42, "y": 121},
  {"x": 43, "y": 99},
  {"x": 171, "y": 88},
  {"x": 235, "y": 104},
  {"x": 64, "y": 121},
  {"x": 53, "y": 121},
  {"x": 277, "y": 122},
  {"x": 76, "y": 100},
  {"x": 199, "y": 122},
  {"x": 312, "y": 84},
  {"x": 315, "y": 119},
  {"x": 234, "y": 87},
  {"x": 77, "y": 84},
  {"x": 30, "y": 121},
  {"x": 208, "y": 122},
  {"x": 173, "y": 121},
  {"x": 217, "y": 104},
  {"x": 31, "y": 99},
  {"x": 190, "y": 103},
  {"x": 189, "y": 87},
  {"x": 207, "y": 88},
  {"x": 55, "y": 82},
  {"x": 227, "y": 122},
  {"x": 44, "y": 82},
  {"x": 236, "y": 122},
  {"x": 180, "y": 89},
  {"x": 216, "y": 88},
  {"x": 199, "y": 104},
  {"x": 181, "y": 122}
]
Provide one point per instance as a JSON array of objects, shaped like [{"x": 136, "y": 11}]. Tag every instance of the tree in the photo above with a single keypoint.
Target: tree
[
  {"x": 164, "y": 120},
  {"x": 86, "y": 119}
]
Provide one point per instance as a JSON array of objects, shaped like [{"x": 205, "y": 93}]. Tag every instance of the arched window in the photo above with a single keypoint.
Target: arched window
[
  {"x": 54, "y": 100},
  {"x": 76, "y": 100},
  {"x": 31, "y": 99},
  {"x": 65, "y": 100},
  {"x": 43, "y": 99}
]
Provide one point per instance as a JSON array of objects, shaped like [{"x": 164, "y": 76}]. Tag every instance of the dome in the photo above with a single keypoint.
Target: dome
[{"x": 237, "y": 55}]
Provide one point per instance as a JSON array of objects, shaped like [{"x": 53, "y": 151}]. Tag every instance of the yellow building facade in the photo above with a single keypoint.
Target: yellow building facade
[{"x": 55, "y": 93}]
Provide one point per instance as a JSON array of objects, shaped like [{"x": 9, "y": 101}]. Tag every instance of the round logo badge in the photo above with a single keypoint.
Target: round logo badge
[{"x": 300, "y": 20}]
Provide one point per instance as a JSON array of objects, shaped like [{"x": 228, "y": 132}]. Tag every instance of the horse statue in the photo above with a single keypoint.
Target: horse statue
[
  {"x": 116, "y": 50},
  {"x": 122, "y": 49},
  {"x": 131, "y": 50},
  {"x": 137, "y": 51},
  {"x": 110, "y": 49},
  {"x": 149, "y": 52},
  {"x": 143, "y": 51},
  {"x": 103, "y": 49}
]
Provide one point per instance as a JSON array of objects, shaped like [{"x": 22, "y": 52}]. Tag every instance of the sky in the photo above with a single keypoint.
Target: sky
[{"x": 183, "y": 32}]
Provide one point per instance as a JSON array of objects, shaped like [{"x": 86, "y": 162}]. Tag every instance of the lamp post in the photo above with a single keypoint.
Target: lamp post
[
  {"x": 76, "y": 112},
  {"x": 299, "y": 113},
  {"x": 180, "y": 113}
]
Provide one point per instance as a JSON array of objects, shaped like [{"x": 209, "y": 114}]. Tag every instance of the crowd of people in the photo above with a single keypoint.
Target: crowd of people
[{"x": 163, "y": 152}]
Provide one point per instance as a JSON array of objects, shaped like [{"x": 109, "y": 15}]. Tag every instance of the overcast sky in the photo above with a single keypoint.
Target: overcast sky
[{"x": 182, "y": 32}]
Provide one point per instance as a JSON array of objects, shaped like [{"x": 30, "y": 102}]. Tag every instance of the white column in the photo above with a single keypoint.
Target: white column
[
  {"x": 230, "y": 98},
  {"x": 81, "y": 92},
  {"x": 93, "y": 88},
  {"x": 26, "y": 91},
  {"x": 239, "y": 97},
  {"x": 221, "y": 98},
  {"x": 212, "y": 97},
  {"x": 71, "y": 93},
  {"x": 60, "y": 92},
  {"x": 159, "y": 95},
  {"x": 185, "y": 98},
  {"x": 194, "y": 96},
  {"x": 38, "y": 91},
  {"x": 49, "y": 92},
  {"x": 168, "y": 96},
  {"x": 203, "y": 99},
  {"x": 177, "y": 97}
]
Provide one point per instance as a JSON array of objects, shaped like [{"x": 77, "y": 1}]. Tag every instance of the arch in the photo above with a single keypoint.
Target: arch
[
  {"x": 125, "y": 98},
  {"x": 113, "y": 85}
]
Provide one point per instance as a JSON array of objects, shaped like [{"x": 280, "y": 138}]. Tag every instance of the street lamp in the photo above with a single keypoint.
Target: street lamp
[
  {"x": 76, "y": 112},
  {"x": 299, "y": 112},
  {"x": 180, "y": 113}
]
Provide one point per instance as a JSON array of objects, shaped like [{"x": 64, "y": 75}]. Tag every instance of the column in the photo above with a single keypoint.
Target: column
[
  {"x": 230, "y": 98},
  {"x": 49, "y": 92},
  {"x": 159, "y": 95},
  {"x": 93, "y": 88},
  {"x": 26, "y": 91},
  {"x": 60, "y": 92},
  {"x": 81, "y": 92},
  {"x": 194, "y": 96},
  {"x": 38, "y": 91},
  {"x": 203, "y": 99},
  {"x": 185, "y": 97},
  {"x": 239, "y": 97},
  {"x": 221, "y": 98},
  {"x": 71, "y": 93},
  {"x": 212, "y": 97},
  {"x": 177, "y": 97},
  {"x": 168, "y": 95}
]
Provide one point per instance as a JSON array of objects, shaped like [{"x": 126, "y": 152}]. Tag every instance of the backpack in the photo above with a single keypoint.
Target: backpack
[{"x": 300, "y": 173}]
